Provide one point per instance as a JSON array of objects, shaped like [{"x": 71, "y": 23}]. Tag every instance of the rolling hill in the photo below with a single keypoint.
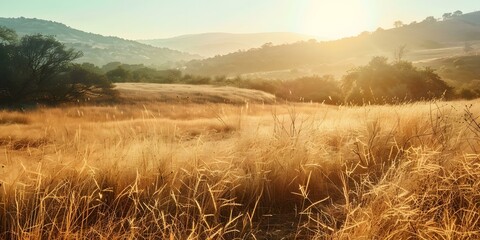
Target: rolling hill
[
  {"x": 211, "y": 44},
  {"x": 458, "y": 71},
  {"x": 425, "y": 40},
  {"x": 98, "y": 49}
]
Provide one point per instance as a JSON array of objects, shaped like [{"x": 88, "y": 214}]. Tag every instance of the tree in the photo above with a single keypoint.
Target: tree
[
  {"x": 457, "y": 13},
  {"x": 36, "y": 69},
  {"x": 7, "y": 35},
  {"x": 446, "y": 16},
  {"x": 430, "y": 19},
  {"x": 398, "y": 24},
  {"x": 119, "y": 74},
  {"x": 267, "y": 45},
  {"x": 91, "y": 68},
  {"x": 80, "y": 83},
  {"x": 38, "y": 59},
  {"x": 399, "y": 53}
]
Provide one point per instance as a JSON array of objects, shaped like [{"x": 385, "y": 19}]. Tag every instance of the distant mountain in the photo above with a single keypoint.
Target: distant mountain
[
  {"x": 429, "y": 39},
  {"x": 211, "y": 44},
  {"x": 96, "y": 48}
]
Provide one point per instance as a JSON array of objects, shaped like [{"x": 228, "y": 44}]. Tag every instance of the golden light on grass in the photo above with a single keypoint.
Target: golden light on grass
[{"x": 217, "y": 171}]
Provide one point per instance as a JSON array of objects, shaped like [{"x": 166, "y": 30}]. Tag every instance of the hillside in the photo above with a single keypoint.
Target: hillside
[
  {"x": 211, "y": 44},
  {"x": 424, "y": 41},
  {"x": 462, "y": 72},
  {"x": 97, "y": 49}
]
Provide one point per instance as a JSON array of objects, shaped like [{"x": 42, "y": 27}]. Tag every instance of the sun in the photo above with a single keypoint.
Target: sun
[{"x": 334, "y": 19}]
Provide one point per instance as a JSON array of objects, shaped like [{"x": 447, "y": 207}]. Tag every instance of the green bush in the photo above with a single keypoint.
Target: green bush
[{"x": 382, "y": 82}]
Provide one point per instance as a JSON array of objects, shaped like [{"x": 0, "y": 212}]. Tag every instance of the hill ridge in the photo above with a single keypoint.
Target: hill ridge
[
  {"x": 445, "y": 37},
  {"x": 210, "y": 44},
  {"x": 97, "y": 48}
]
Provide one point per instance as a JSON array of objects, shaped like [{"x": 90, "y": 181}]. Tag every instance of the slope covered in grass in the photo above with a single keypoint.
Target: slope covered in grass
[{"x": 182, "y": 93}]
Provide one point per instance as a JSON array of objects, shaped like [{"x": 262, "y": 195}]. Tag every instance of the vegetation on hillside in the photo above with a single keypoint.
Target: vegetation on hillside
[
  {"x": 96, "y": 48},
  {"x": 428, "y": 34},
  {"x": 380, "y": 82},
  {"x": 38, "y": 68},
  {"x": 56, "y": 79},
  {"x": 462, "y": 72}
]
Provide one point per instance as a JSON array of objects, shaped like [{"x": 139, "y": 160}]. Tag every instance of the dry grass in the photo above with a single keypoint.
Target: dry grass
[
  {"x": 182, "y": 93},
  {"x": 193, "y": 171},
  {"x": 13, "y": 118}
]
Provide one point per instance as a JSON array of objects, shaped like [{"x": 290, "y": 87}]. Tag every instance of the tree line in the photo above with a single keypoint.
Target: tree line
[
  {"x": 431, "y": 19},
  {"x": 378, "y": 82}
]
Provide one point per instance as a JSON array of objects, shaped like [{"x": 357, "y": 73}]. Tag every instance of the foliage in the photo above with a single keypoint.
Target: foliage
[
  {"x": 96, "y": 48},
  {"x": 118, "y": 74},
  {"x": 460, "y": 72},
  {"x": 381, "y": 82},
  {"x": 446, "y": 16},
  {"x": 391, "y": 83},
  {"x": 39, "y": 69},
  {"x": 87, "y": 84},
  {"x": 430, "y": 19},
  {"x": 7, "y": 35},
  {"x": 457, "y": 13},
  {"x": 398, "y": 24}
]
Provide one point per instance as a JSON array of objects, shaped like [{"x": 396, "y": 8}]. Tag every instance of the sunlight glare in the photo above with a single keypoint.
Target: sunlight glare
[{"x": 334, "y": 19}]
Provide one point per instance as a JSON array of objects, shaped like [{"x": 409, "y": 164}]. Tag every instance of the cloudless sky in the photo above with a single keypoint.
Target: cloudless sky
[{"x": 144, "y": 19}]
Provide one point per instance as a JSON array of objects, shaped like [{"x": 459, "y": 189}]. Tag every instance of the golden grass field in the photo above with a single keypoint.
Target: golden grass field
[
  {"x": 251, "y": 171},
  {"x": 182, "y": 93}
]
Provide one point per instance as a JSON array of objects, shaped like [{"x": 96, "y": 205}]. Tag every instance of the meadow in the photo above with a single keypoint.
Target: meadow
[{"x": 244, "y": 171}]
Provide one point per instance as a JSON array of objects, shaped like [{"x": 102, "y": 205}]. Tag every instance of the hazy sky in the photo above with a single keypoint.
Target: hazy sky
[{"x": 142, "y": 19}]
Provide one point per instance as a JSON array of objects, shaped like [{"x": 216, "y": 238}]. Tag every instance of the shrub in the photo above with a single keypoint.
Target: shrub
[{"x": 383, "y": 82}]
